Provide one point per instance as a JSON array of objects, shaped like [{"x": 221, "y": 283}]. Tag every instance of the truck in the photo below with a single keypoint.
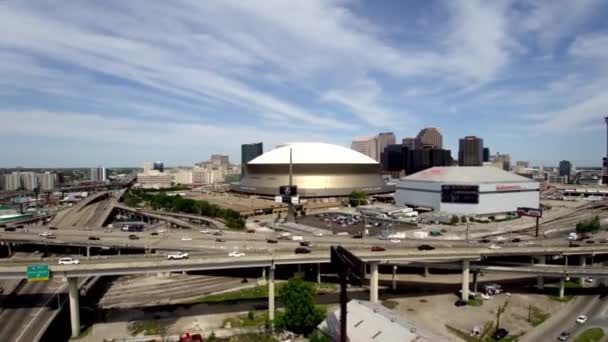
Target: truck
[{"x": 177, "y": 256}]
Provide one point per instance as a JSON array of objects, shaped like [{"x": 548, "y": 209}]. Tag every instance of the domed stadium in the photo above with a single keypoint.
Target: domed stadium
[{"x": 319, "y": 170}]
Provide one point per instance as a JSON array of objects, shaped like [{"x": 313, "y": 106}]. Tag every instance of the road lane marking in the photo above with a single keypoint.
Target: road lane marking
[{"x": 36, "y": 315}]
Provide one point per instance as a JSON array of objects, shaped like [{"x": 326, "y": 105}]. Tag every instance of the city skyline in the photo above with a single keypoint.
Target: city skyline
[{"x": 117, "y": 89}]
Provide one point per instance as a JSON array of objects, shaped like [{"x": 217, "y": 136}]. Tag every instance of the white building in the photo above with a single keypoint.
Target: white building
[
  {"x": 468, "y": 190},
  {"x": 47, "y": 180},
  {"x": 367, "y": 146},
  {"x": 98, "y": 174},
  {"x": 182, "y": 177},
  {"x": 154, "y": 180}
]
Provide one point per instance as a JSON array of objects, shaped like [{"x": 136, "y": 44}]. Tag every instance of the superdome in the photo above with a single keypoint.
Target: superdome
[
  {"x": 313, "y": 153},
  {"x": 319, "y": 170}
]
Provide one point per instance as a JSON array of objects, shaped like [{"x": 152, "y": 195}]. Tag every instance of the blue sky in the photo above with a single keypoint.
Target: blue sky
[{"x": 117, "y": 83}]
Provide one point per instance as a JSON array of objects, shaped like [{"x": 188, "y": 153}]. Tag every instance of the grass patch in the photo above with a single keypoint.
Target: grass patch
[
  {"x": 251, "y": 319},
  {"x": 326, "y": 287},
  {"x": 391, "y": 304},
  {"x": 537, "y": 316},
  {"x": 566, "y": 299},
  {"x": 590, "y": 335},
  {"x": 475, "y": 301},
  {"x": 146, "y": 328},
  {"x": 254, "y": 293}
]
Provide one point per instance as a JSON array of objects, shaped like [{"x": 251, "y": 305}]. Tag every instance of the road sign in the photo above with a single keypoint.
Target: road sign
[
  {"x": 533, "y": 212},
  {"x": 37, "y": 272}
]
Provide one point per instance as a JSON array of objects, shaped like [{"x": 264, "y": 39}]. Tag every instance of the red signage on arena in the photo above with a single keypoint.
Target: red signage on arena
[{"x": 508, "y": 187}]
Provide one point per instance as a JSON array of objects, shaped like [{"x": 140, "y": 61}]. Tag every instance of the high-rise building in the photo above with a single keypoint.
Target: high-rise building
[
  {"x": 398, "y": 158},
  {"x": 148, "y": 166},
  {"x": 250, "y": 152},
  {"x": 565, "y": 169},
  {"x": 486, "y": 154},
  {"x": 98, "y": 174},
  {"x": 158, "y": 166},
  {"x": 219, "y": 160},
  {"x": 12, "y": 182},
  {"x": 394, "y": 158},
  {"x": 605, "y": 161},
  {"x": 502, "y": 161},
  {"x": 409, "y": 142},
  {"x": 384, "y": 139},
  {"x": 429, "y": 137},
  {"x": 47, "y": 181},
  {"x": 367, "y": 146},
  {"x": 29, "y": 180},
  {"x": 470, "y": 151}
]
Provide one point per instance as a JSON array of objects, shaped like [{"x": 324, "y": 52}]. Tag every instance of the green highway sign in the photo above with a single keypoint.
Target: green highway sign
[{"x": 37, "y": 272}]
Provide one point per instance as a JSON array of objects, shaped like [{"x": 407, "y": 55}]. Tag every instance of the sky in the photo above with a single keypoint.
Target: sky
[{"x": 117, "y": 83}]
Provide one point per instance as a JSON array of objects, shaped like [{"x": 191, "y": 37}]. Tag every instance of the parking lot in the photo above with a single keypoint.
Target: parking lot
[{"x": 354, "y": 224}]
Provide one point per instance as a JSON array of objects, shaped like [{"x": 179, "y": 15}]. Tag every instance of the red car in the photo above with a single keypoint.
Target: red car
[{"x": 378, "y": 249}]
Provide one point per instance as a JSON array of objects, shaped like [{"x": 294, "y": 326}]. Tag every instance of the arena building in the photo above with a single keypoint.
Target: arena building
[
  {"x": 319, "y": 170},
  {"x": 468, "y": 190}
]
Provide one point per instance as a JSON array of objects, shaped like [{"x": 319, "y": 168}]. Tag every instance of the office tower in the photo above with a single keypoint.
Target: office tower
[
  {"x": 98, "y": 174},
  {"x": 429, "y": 137},
  {"x": 605, "y": 161},
  {"x": 158, "y": 166},
  {"x": 250, "y": 152},
  {"x": 394, "y": 158},
  {"x": 384, "y": 139},
  {"x": 565, "y": 169},
  {"x": 47, "y": 181},
  {"x": 470, "y": 151},
  {"x": 219, "y": 160},
  {"x": 409, "y": 142},
  {"x": 486, "y": 154},
  {"x": 502, "y": 161},
  {"x": 367, "y": 146}
]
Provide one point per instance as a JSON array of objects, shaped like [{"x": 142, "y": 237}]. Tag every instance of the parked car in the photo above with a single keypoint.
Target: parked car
[
  {"x": 236, "y": 254},
  {"x": 581, "y": 319},
  {"x": 485, "y": 296},
  {"x": 500, "y": 334},
  {"x": 302, "y": 250},
  {"x": 378, "y": 249},
  {"x": 133, "y": 237},
  {"x": 563, "y": 336},
  {"x": 177, "y": 256},
  {"x": 68, "y": 261},
  {"x": 425, "y": 248}
]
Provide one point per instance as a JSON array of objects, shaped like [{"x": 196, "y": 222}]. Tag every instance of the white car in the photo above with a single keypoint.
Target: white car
[
  {"x": 186, "y": 238},
  {"x": 317, "y": 234},
  {"x": 205, "y": 231},
  {"x": 581, "y": 319},
  {"x": 588, "y": 280},
  {"x": 395, "y": 240},
  {"x": 45, "y": 234},
  {"x": 236, "y": 254},
  {"x": 494, "y": 247},
  {"x": 160, "y": 231},
  {"x": 485, "y": 296},
  {"x": 68, "y": 261},
  {"x": 177, "y": 256}
]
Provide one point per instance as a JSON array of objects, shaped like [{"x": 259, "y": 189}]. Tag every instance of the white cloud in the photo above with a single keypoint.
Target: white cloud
[{"x": 592, "y": 46}]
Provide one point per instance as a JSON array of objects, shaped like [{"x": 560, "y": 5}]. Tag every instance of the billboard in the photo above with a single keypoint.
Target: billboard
[
  {"x": 468, "y": 194},
  {"x": 288, "y": 190},
  {"x": 532, "y": 212}
]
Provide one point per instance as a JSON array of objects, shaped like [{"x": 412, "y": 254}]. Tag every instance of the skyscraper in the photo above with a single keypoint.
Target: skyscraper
[
  {"x": 470, "y": 151},
  {"x": 565, "y": 168},
  {"x": 158, "y": 166},
  {"x": 384, "y": 139},
  {"x": 250, "y": 152},
  {"x": 429, "y": 137},
  {"x": 486, "y": 154},
  {"x": 98, "y": 174},
  {"x": 367, "y": 146},
  {"x": 605, "y": 163},
  {"x": 409, "y": 142}
]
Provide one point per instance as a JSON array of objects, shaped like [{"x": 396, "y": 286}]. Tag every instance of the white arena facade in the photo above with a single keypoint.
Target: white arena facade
[
  {"x": 468, "y": 190},
  {"x": 319, "y": 171}
]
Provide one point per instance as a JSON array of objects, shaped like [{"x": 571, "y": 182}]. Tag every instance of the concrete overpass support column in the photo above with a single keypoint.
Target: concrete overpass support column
[
  {"x": 74, "y": 307},
  {"x": 465, "y": 279},
  {"x": 540, "y": 281},
  {"x": 10, "y": 251},
  {"x": 475, "y": 281},
  {"x": 395, "y": 278},
  {"x": 561, "y": 287},
  {"x": 319, "y": 273},
  {"x": 426, "y": 272},
  {"x": 373, "y": 282},
  {"x": 583, "y": 264},
  {"x": 264, "y": 273},
  {"x": 271, "y": 293},
  {"x": 88, "y": 252}
]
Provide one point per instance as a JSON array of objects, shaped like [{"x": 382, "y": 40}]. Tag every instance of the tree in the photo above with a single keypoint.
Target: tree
[
  {"x": 454, "y": 220},
  {"x": 357, "y": 198},
  {"x": 301, "y": 315},
  {"x": 463, "y": 219}
]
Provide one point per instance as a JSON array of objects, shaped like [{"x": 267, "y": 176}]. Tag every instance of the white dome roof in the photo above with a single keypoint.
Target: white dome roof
[{"x": 313, "y": 153}]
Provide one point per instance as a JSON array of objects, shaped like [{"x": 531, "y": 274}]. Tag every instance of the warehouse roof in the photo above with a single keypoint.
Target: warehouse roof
[
  {"x": 373, "y": 322},
  {"x": 466, "y": 174},
  {"x": 313, "y": 153}
]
